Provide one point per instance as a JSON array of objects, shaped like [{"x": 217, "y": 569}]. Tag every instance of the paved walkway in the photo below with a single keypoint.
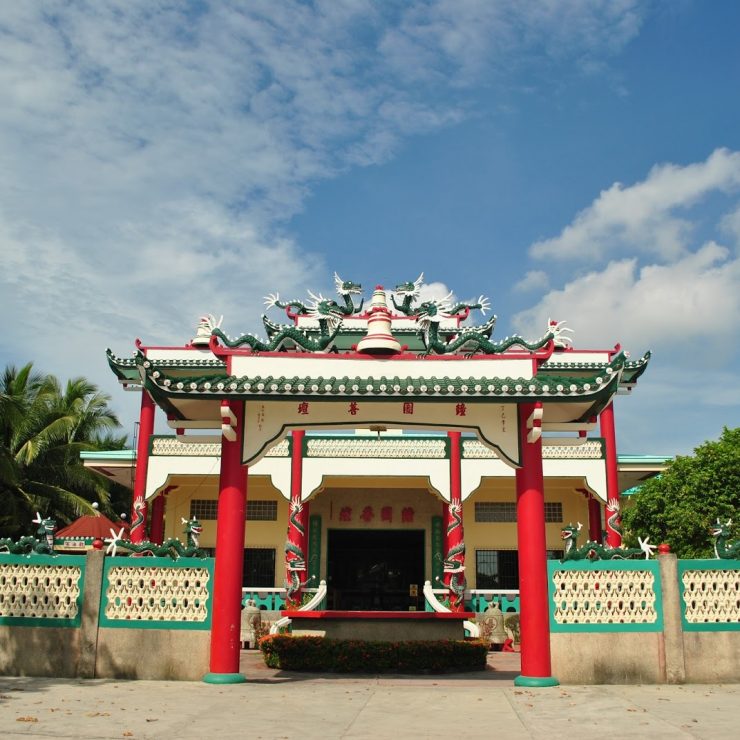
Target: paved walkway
[{"x": 278, "y": 704}]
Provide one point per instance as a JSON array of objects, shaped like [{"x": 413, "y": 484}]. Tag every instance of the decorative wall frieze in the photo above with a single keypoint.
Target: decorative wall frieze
[
  {"x": 591, "y": 450},
  {"x": 173, "y": 447},
  {"x": 370, "y": 447}
]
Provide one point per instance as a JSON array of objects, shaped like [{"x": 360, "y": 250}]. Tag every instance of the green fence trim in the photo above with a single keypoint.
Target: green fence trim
[
  {"x": 652, "y": 566},
  {"x": 683, "y": 566},
  {"x": 149, "y": 562},
  {"x": 58, "y": 560}
]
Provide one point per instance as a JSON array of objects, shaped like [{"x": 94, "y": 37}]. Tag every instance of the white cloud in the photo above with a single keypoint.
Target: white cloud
[
  {"x": 688, "y": 308},
  {"x": 435, "y": 292},
  {"x": 533, "y": 280},
  {"x": 642, "y": 217},
  {"x": 730, "y": 226},
  {"x": 465, "y": 39},
  {"x": 154, "y": 151}
]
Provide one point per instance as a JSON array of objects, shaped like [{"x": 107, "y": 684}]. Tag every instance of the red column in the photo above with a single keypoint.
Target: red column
[
  {"x": 138, "y": 506},
  {"x": 156, "y": 528},
  {"x": 296, "y": 547},
  {"x": 594, "y": 519},
  {"x": 227, "y": 581},
  {"x": 613, "y": 530},
  {"x": 533, "y": 593},
  {"x": 454, "y": 566}
]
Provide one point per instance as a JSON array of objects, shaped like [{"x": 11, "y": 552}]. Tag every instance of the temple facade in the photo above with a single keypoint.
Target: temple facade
[{"x": 395, "y": 443}]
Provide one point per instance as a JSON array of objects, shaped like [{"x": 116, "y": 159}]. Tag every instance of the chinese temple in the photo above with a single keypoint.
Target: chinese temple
[{"x": 397, "y": 441}]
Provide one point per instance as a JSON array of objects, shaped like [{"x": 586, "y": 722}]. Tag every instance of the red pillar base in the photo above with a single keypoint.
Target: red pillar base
[
  {"x": 224, "y": 678},
  {"x": 535, "y": 683}
]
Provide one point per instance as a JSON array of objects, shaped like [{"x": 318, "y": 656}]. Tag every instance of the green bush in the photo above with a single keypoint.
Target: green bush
[{"x": 321, "y": 654}]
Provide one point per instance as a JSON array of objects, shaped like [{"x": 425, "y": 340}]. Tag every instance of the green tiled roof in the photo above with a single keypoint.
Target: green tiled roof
[{"x": 547, "y": 386}]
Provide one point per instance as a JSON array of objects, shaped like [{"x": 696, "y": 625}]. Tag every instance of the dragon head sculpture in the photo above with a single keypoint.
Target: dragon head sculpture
[
  {"x": 325, "y": 309},
  {"x": 346, "y": 287},
  {"x": 569, "y": 532},
  {"x": 47, "y": 527},
  {"x": 410, "y": 289},
  {"x": 721, "y": 530},
  {"x": 193, "y": 530}
]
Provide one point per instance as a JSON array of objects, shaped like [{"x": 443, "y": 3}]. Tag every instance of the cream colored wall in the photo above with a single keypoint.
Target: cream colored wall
[
  {"x": 358, "y": 492},
  {"x": 502, "y": 535},
  {"x": 257, "y": 534}
]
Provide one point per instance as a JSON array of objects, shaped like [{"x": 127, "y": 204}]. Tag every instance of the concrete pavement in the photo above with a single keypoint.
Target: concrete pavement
[{"x": 278, "y": 704}]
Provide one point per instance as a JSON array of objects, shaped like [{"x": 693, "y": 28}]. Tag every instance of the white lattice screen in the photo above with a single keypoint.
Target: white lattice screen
[
  {"x": 711, "y": 596},
  {"x": 151, "y": 593},
  {"x": 604, "y": 597},
  {"x": 39, "y": 591}
]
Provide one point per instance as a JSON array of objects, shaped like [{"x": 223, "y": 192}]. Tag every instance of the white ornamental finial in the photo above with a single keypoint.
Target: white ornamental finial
[
  {"x": 559, "y": 338},
  {"x": 203, "y": 332}
]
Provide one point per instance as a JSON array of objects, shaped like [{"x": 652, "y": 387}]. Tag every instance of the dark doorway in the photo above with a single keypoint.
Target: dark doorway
[{"x": 375, "y": 570}]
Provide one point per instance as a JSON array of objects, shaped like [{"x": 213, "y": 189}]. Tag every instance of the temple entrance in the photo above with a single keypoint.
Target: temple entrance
[{"x": 375, "y": 570}]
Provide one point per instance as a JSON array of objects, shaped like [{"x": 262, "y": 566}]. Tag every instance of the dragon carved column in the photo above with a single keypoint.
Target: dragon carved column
[
  {"x": 138, "y": 506},
  {"x": 454, "y": 561},
  {"x": 229, "y": 566},
  {"x": 296, "y": 546},
  {"x": 532, "y": 543},
  {"x": 613, "y": 530}
]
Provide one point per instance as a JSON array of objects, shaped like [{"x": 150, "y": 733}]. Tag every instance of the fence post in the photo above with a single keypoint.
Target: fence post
[
  {"x": 675, "y": 666},
  {"x": 91, "y": 598}
]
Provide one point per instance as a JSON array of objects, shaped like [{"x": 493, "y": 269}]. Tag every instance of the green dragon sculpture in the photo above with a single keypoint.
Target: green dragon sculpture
[
  {"x": 171, "y": 547},
  {"x": 326, "y": 311},
  {"x": 345, "y": 289},
  {"x": 596, "y": 551},
  {"x": 475, "y": 339},
  {"x": 723, "y": 548},
  {"x": 409, "y": 292},
  {"x": 41, "y": 544}
]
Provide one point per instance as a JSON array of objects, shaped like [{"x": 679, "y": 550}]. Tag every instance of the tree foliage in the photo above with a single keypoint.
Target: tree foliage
[
  {"x": 43, "y": 428},
  {"x": 678, "y": 506}
]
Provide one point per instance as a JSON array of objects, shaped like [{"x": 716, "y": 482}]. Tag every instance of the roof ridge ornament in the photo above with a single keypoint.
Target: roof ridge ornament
[
  {"x": 205, "y": 328},
  {"x": 379, "y": 339}
]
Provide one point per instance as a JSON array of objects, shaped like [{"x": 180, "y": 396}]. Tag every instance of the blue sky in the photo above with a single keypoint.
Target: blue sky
[{"x": 575, "y": 160}]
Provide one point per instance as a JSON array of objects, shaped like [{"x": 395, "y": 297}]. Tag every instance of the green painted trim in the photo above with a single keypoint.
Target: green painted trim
[
  {"x": 719, "y": 564},
  {"x": 314, "y": 549},
  {"x": 156, "y": 624},
  {"x": 125, "y": 455},
  {"x": 652, "y": 566},
  {"x": 58, "y": 560},
  {"x": 224, "y": 678},
  {"x": 534, "y": 682},
  {"x": 437, "y": 540}
]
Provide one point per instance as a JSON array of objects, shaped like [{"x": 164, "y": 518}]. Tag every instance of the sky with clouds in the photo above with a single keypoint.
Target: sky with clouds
[{"x": 573, "y": 159}]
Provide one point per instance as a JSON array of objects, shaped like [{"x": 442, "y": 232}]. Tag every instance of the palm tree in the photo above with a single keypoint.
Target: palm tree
[{"x": 43, "y": 429}]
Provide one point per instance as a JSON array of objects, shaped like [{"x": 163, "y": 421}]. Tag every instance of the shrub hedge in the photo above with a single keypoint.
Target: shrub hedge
[{"x": 321, "y": 654}]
